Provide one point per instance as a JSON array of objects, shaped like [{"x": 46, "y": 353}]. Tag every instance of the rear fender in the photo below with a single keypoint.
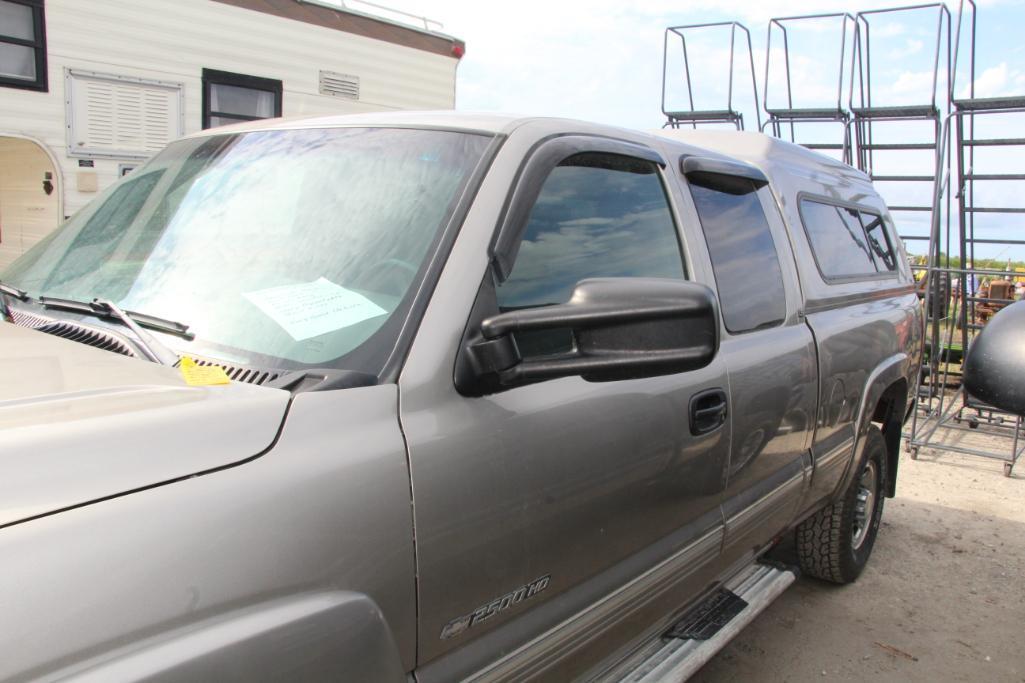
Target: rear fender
[{"x": 892, "y": 372}]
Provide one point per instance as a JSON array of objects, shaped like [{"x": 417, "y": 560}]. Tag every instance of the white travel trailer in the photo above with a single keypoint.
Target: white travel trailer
[{"x": 88, "y": 90}]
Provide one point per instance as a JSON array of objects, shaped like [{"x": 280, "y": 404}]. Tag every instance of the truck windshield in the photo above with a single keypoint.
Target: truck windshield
[{"x": 284, "y": 248}]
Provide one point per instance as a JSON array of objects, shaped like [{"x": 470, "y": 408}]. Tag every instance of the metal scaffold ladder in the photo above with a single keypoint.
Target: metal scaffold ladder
[
  {"x": 914, "y": 127},
  {"x": 944, "y": 403},
  {"x": 691, "y": 114},
  {"x": 791, "y": 117}
]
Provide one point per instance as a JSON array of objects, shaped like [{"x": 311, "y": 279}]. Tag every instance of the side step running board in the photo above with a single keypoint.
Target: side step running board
[{"x": 705, "y": 630}]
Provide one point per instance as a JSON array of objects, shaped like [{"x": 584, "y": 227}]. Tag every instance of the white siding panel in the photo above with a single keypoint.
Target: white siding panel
[
  {"x": 175, "y": 40},
  {"x": 199, "y": 33}
]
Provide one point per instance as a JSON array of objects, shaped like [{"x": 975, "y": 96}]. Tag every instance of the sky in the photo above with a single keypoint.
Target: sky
[{"x": 602, "y": 61}]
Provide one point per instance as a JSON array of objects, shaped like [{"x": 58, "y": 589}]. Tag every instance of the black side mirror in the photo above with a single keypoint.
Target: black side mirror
[{"x": 622, "y": 328}]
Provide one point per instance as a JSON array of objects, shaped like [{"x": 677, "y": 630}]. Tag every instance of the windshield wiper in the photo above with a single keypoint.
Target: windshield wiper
[
  {"x": 91, "y": 308},
  {"x": 104, "y": 308},
  {"x": 6, "y": 291},
  {"x": 11, "y": 290}
]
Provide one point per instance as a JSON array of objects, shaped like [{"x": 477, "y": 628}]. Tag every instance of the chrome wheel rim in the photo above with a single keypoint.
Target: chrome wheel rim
[{"x": 865, "y": 504}]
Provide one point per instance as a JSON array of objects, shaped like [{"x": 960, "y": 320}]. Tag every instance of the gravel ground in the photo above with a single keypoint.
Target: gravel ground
[{"x": 942, "y": 598}]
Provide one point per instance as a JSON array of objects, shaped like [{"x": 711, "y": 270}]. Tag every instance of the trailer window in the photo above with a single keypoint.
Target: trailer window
[
  {"x": 22, "y": 44},
  {"x": 232, "y": 98}
]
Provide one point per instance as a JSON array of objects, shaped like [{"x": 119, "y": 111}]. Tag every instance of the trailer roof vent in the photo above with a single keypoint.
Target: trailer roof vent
[{"x": 339, "y": 85}]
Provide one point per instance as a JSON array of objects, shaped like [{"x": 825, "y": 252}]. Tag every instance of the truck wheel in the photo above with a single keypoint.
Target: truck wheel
[{"x": 834, "y": 544}]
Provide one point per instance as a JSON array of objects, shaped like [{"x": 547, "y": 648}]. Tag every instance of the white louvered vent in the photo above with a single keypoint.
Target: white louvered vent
[
  {"x": 126, "y": 118},
  {"x": 339, "y": 85}
]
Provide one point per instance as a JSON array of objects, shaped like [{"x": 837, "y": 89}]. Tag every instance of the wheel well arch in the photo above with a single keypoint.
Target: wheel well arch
[{"x": 889, "y": 413}]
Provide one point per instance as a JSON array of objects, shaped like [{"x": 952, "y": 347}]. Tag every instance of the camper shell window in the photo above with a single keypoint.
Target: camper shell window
[
  {"x": 231, "y": 98},
  {"x": 879, "y": 241},
  {"x": 848, "y": 243},
  {"x": 22, "y": 44}
]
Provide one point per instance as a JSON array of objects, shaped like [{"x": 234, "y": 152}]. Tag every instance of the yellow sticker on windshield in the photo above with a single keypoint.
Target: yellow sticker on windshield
[{"x": 197, "y": 375}]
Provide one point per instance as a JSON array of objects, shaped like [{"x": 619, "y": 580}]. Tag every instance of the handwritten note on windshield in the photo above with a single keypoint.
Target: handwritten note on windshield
[{"x": 310, "y": 309}]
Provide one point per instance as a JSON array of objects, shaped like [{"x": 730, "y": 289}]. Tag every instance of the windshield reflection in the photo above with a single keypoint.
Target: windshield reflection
[{"x": 297, "y": 245}]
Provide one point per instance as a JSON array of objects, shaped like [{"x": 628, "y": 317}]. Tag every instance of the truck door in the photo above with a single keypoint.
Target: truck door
[
  {"x": 554, "y": 520},
  {"x": 769, "y": 351}
]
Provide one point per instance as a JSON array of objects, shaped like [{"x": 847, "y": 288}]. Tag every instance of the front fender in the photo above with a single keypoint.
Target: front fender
[{"x": 335, "y": 636}]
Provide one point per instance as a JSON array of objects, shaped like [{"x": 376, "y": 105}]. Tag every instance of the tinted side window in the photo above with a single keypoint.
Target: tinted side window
[
  {"x": 837, "y": 240},
  {"x": 598, "y": 215},
  {"x": 879, "y": 241},
  {"x": 744, "y": 258}
]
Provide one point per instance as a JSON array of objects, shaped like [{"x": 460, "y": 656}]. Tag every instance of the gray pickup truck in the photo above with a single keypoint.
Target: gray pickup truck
[{"x": 438, "y": 397}]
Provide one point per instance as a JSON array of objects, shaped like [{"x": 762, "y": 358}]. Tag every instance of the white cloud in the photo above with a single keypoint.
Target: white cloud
[
  {"x": 911, "y": 47},
  {"x": 914, "y": 86},
  {"x": 889, "y": 30},
  {"x": 997, "y": 80}
]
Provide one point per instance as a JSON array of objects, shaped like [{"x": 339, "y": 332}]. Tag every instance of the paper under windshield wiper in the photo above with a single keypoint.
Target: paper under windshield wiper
[{"x": 104, "y": 308}]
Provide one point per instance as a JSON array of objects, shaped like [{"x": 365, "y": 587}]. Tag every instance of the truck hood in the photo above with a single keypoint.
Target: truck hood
[{"x": 79, "y": 424}]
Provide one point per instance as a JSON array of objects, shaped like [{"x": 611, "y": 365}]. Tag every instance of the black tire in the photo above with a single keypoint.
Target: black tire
[{"x": 829, "y": 544}]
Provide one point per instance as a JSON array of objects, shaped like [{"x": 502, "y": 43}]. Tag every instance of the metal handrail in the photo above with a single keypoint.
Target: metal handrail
[
  {"x": 864, "y": 34},
  {"x": 779, "y": 22},
  {"x": 939, "y": 191},
  {"x": 681, "y": 32},
  {"x": 957, "y": 47}
]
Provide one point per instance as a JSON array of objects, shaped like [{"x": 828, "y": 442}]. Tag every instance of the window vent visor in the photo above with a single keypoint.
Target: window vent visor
[
  {"x": 339, "y": 85},
  {"x": 724, "y": 175}
]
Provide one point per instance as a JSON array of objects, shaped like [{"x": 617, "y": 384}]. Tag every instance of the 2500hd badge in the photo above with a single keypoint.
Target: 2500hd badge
[{"x": 524, "y": 592}]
